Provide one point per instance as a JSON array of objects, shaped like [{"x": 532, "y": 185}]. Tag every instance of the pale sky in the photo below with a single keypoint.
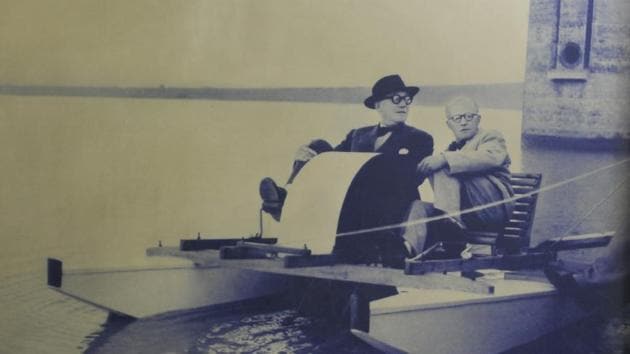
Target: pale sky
[{"x": 256, "y": 43}]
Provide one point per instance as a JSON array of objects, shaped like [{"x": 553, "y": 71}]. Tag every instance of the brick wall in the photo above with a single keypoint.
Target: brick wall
[{"x": 581, "y": 93}]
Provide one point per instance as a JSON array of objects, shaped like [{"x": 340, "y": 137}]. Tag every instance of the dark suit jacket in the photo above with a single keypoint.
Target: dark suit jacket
[
  {"x": 382, "y": 190},
  {"x": 405, "y": 140}
]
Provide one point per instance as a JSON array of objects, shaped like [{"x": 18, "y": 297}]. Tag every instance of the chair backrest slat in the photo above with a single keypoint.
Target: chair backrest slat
[
  {"x": 516, "y": 233},
  {"x": 525, "y": 208}
]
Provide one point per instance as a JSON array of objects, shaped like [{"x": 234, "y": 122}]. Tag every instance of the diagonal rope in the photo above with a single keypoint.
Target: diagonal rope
[
  {"x": 484, "y": 206},
  {"x": 581, "y": 219}
]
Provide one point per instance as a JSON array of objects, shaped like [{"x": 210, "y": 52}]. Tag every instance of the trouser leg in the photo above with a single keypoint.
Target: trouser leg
[
  {"x": 446, "y": 192},
  {"x": 416, "y": 233},
  {"x": 479, "y": 190}
]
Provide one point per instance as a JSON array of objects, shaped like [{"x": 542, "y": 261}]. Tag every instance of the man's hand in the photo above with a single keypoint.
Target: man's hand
[
  {"x": 305, "y": 153},
  {"x": 431, "y": 164}
]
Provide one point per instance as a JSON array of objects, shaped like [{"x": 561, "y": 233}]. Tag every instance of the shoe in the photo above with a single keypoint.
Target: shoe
[
  {"x": 411, "y": 252},
  {"x": 273, "y": 197},
  {"x": 450, "y": 232},
  {"x": 393, "y": 250}
]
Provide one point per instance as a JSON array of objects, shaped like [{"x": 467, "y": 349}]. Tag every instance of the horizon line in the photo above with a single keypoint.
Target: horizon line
[{"x": 496, "y": 95}]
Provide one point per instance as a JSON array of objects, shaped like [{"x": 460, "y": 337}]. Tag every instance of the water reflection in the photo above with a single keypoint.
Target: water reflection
[
  {"x": 38, "y": 320},
  {"x": 265, "y": 330}
]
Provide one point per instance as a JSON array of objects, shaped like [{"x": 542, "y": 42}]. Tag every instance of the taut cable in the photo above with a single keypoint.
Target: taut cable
[{"x": 484, "y": 206}]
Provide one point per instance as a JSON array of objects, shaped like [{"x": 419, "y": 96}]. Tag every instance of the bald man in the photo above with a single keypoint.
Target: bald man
[{"x": 473, "y": 171}]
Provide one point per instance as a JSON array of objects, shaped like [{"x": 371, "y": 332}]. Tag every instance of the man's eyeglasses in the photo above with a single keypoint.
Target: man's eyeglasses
[
  {"x": 468, "y": 117},
  {"x": 396, "y": 99}
]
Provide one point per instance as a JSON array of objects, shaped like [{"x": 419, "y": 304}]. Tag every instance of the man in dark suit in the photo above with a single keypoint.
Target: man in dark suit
[
  {"x": 391, "y": 98},
  {"x": 368, "y": 203}
]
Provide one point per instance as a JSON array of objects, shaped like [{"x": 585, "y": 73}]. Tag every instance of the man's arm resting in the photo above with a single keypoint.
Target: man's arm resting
[
  {"x": 346, "y": 144},
  {"x": 431, "y": 164},
  {"x": 491, "y": 153}
]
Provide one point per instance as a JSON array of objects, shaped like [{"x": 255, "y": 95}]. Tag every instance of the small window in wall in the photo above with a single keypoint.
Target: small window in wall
[
  {"x": 571, "y": 55},
  {"x": 573, "y": 41}
]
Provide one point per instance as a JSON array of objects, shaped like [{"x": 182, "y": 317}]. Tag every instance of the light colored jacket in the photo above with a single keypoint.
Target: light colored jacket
[{"x": 484, "y": 153}]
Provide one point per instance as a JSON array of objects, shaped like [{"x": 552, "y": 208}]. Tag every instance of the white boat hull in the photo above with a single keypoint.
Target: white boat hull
[
  {"x": 443, "y": 321},
  {"x": 146, "y": 292}
]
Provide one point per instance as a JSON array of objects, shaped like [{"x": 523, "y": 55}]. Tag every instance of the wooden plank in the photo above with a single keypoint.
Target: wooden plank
[
  {"x": 517, "y": 224},
  {"x": 526, "y": 238},
  {"x": 309, "y": 261},
  {"x": 217, "y": 243},
  {"x": 489, "y": 238},
  {"x": 511, "y": 238},
  {"x": 201, "y": 258},
  {"x": 505, "y": 262},
  {"x": 523, "y": 207},
  {"x": 275, "y": 248},
  {"x": 523, "y": 190},
  {"x": 514, "y": 231},
  {"x": 527, "y": 200},
  {"x": 526, "y": 175},
  {"x": 518, "y": 219},
  {"x": 576, "y": 242},
  {"x": 530, "y": 182},
  {"x": 340, "y": 272},
  {"x": 235, "y": 252},
  {"x": 519, "y": 215}
]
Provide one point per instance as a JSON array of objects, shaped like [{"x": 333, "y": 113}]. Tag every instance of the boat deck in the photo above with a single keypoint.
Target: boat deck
[
  {"x": 341, "y": 272},
  {"x": 410, "y": 299}
]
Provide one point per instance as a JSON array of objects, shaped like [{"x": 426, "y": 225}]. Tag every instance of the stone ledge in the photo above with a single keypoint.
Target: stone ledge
[
  {"x": 574, "y": 143},
  {"x": 567, "y": 75}
]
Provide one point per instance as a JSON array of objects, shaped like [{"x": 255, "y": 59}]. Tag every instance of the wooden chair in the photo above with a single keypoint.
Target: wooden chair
[{"x": 515, "y": 235}]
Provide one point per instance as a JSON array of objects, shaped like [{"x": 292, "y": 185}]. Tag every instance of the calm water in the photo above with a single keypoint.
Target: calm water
[{"x": 96, "y": 181}]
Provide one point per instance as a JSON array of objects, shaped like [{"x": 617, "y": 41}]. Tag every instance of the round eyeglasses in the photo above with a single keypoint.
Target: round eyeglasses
[
  {"x": 396, "y": 99},
  {"x": 467, "y": 117}
]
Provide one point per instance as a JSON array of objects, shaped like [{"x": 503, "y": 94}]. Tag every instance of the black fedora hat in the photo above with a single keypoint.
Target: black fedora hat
[{"x": 388, "y": 85}]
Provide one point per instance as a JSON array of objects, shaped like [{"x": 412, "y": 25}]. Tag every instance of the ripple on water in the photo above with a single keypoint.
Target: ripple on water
[
  {"x": 36, "y": 319},
  {"x": 272, "y": 331}
]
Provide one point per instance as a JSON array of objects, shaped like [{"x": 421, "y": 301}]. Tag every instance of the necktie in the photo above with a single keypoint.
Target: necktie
[
  {"x": 456, "y": 145},
  {"x": 381, "y": 130}
]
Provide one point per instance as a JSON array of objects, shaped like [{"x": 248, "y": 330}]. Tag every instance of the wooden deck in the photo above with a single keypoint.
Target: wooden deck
[{"x": 341, "y": 272}]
